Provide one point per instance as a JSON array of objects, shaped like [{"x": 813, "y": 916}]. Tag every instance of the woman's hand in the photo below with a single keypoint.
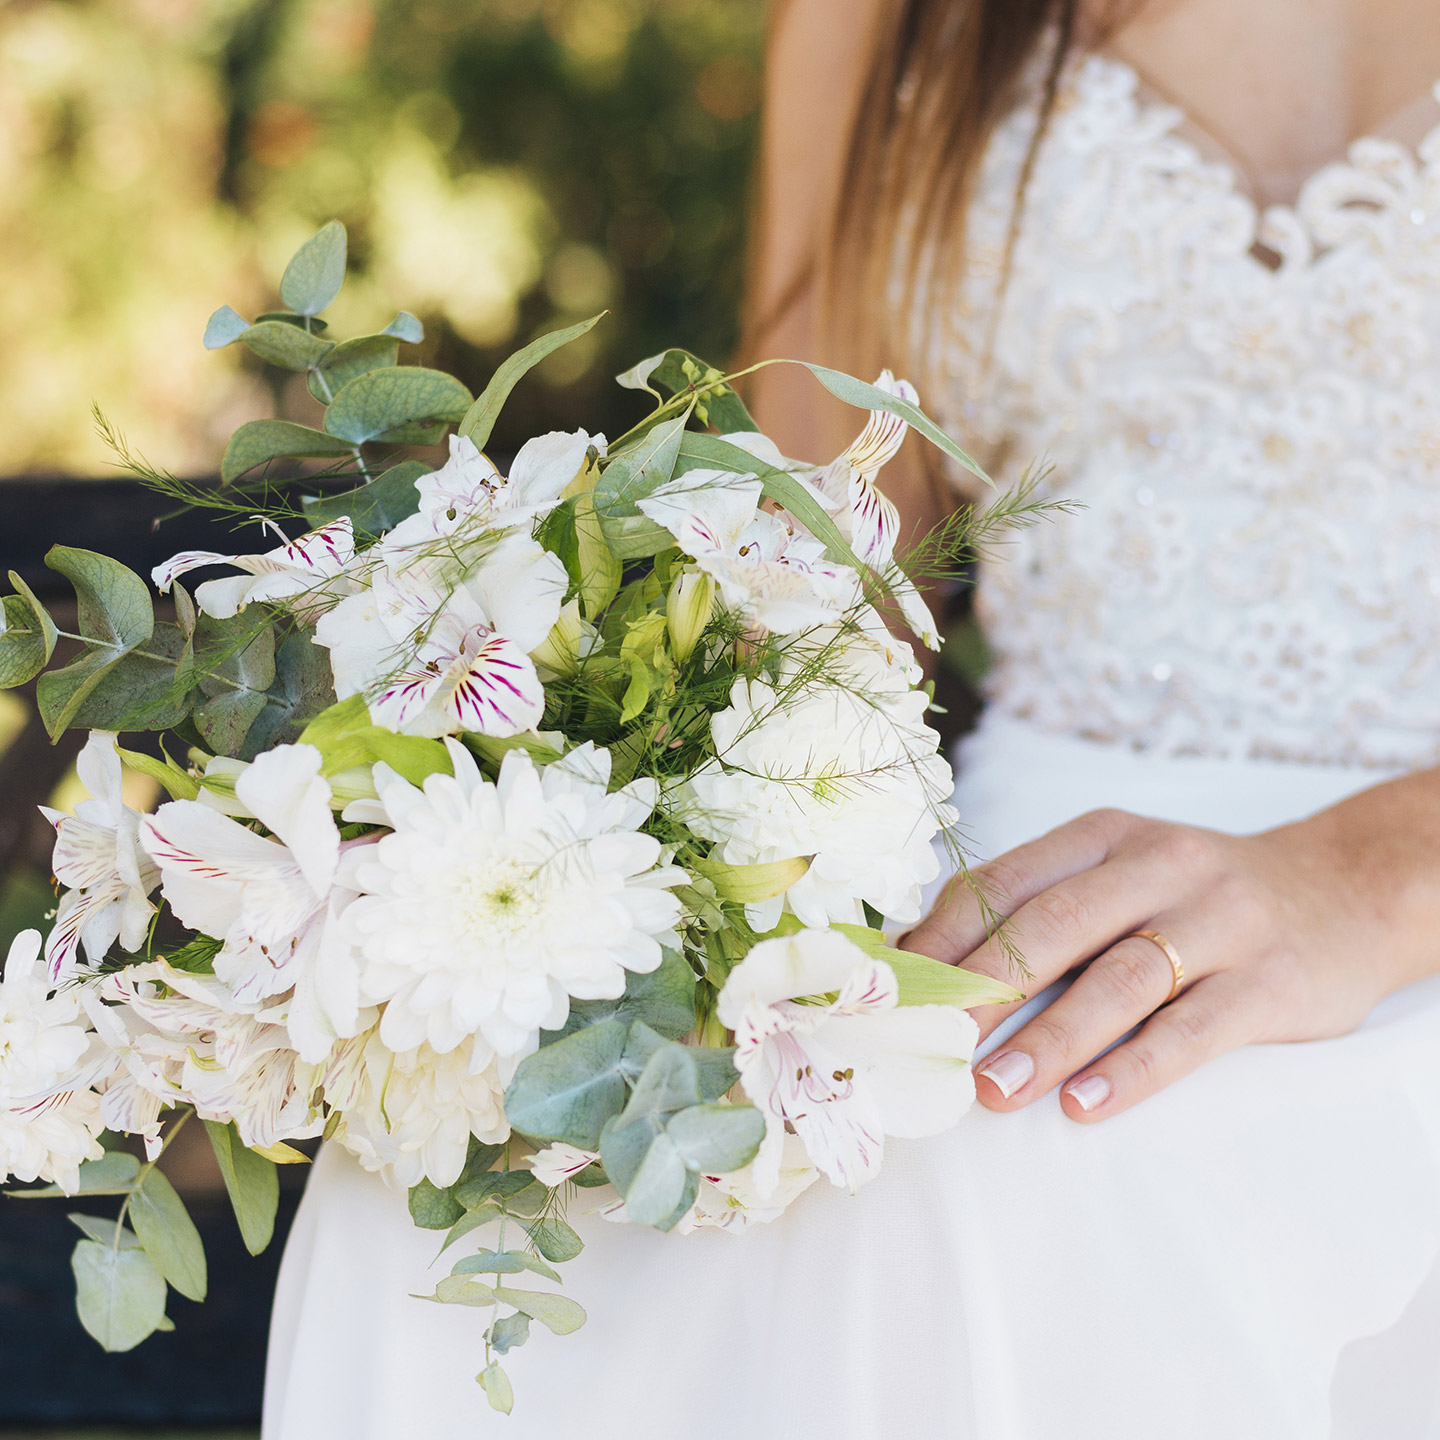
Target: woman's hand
[{"x": 1292, "y": 934}]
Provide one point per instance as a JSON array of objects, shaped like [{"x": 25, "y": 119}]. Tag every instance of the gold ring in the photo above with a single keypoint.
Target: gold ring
[{"x": 1171, "y": 954}]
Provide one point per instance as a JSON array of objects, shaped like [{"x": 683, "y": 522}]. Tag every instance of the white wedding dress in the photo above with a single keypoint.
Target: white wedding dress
[{"x": 1240, "y": 626}]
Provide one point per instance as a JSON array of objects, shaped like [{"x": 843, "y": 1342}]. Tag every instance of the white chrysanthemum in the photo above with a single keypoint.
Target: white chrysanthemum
[
  {"x": 98, "y": 855},
  {"x": 491, "y": 905},
  {"x": 851, "y": 779},
  {"x": 49, "y": 1117},
  {"x": 410, "y": 1116}
]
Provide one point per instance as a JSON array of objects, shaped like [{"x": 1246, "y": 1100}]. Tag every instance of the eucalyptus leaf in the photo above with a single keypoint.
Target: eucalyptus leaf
[
  {"x": 41, "y": 614},
  {"x": 105, "y": 1232},
  {"x": 374, "y": 508},
  {"x": 497, "y": 1184},
  {"x": 470, "y": 1220},
  {"x": 119, "y": 1294},
  {"x": 252, "y": 1184},
  {"x": 555, "y": 1240},
  {"x": 406, "y": 327},
  {"x": 223, "y": 328},
  {"x": 714, "y": 1065},
  {"x": 479, "y": 420},
  {"x": 164, "y": 1227},
  {"x": 463, "y": 1290},
  {"x": 22, "y": 644},
  {"x": 312, "y": 323},
  {"x": 669, "y": 1082},
  {"x": 316, "y": 272},
  {"x": 350, "y": 359},
  {"x": 509, "y": 1333},
  {"x": 567, "y": 1091},
  {"x": 664, "y": 999},
  {"x": 504, "y": 1262},
  {"x": 383, "y": 400},
  {"x": 434, "y": 1209},
  {"x": 656, "y": 1186},
  {"x": 260, "y": 441},
  {"x": 303, "y": 688},
  {"x": 149, "y": 691},
  {"x": 235, "y": 660},
  {"x": 497, "y": 1388},
  {"x": 557, "y": 1313},
  {"x": 224, "y": 721},
  {"x": 286, "y": 346},
  {"x": 716, "y": 1139}
]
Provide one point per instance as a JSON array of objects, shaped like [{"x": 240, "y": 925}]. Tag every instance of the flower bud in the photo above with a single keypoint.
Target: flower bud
[
  {"x": 688, "y": 609},
  {"x": 559, "y": 652}
]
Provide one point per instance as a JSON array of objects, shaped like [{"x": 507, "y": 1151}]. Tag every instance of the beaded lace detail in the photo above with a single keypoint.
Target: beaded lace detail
[{"x": 1255, "y": 571}]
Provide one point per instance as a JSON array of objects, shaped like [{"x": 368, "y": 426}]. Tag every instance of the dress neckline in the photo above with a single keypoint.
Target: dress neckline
[{"x": 1186, "y": 132}]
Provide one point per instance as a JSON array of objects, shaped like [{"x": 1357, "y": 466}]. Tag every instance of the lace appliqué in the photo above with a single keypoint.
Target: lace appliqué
[{"x": 1256, "y": 567}]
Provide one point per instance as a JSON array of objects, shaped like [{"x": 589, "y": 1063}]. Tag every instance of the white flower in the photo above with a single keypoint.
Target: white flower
[
  {"x": 195, "y": 1043},
  {"x": 311, "y": 571},
  {"x": 468, "y": 494},
  {"x": 442, "y": 643},
  {"x": 98, "y": 854},
  {"x": 844, "y": 1073},
  {"x": 851, "y": 779},
  {"x": 410, "y": 1116},
  {"x": 557, "y": 1163},
  {"x": 272, "y": 901},
  {"x": 49, "y": 1117},
  {"x": 769, "y": 570},
  {"x": 734, "y": 1202},
  {"x": 491, "y": 905}
]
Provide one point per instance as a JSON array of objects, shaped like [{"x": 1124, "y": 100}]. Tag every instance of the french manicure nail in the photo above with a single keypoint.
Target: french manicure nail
[
  {"x": 1093, "y": 1090},
  {"x": 1009, "y": 1071}
]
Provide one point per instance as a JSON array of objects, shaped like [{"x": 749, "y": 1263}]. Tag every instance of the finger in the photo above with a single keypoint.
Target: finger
[
  {"x": 1204, "y": 1022},
  {"x": 1112, "y": 995},
  {"x": 972, "y": 902}
]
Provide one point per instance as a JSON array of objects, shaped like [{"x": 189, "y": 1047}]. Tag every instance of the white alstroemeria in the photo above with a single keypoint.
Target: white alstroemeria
[
  {"x": 437, "y": 649},
  {"x": 274, "y": 902},
  {"x": 469, "y": 495},
  {"x": 49, "y": 1116},
  {"x": 195, "y": 1043},
  {"x": 867, "y": 519},
  {"x": 557, "y": 1163},
  {"x": 769, "y": 570},
  {"x": 99, "y": 856},
  {"x": 841, "y": 1073},
  {"x": 410, "y": 1116},
  {"x": 850, "y": 779},
  {"x": 311, "y": 572},
  {"x": 734, "y": 1202},
  {"x": 491, "y": 905}
]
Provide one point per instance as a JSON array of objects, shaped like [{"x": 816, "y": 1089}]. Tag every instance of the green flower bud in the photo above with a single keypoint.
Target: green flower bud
[{"x": 688, "y": 609}]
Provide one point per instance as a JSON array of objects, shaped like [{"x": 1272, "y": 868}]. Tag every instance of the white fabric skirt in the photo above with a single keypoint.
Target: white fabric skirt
[{"x": 1251, "y": 1255}]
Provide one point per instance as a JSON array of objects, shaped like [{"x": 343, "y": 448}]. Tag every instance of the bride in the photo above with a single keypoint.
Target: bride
[{"x": 1150, "y": 248}]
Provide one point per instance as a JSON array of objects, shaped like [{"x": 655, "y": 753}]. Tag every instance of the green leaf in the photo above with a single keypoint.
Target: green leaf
[
  {"x": 345, "y": 738},
  {"x": 235, "y": 659},
  {"x": 567, "y": 1091},
  {"x": 114, "y": 1172},
  {"x": 383, "y": 400},
  {"x": 105, "y": 1232},
  {"x": 223, "y": 328},
  {"x": 349, "y": 360},
  {"x": 497, "y": 1388},
  {"x": 504, "y": 1262},
  {"x": 646, "y": 1168},
  {"x": 471, "y": 1220},
  {"x": 557, "y": 1313},
  {"x": 497, "y": 1183},
  {"x": 316, "y": 272},
  {"x": 669, "y": 1082},
  {"x": 177, "y": 783},
  {"x": 434, "y": 1209},
  {"x": 869, "y": 397},
  {"x": 119, "y": 1294},
  {"x": 716, "y": 1139},
  {"x": 311, "y": 323},
  {"x": 163, "y": 1226},
  {"x": 302, "y": 690},
  {"x": 374, "y": 508},
  {"x": 259, "y": 441},
  {"x": 149, "y": 691},
  {"x": 286, "y": 346},
  {"x": 749, "y": 884},
  {"x": 509, "y": 1333},
  {"x": 634, "y": 473},
  {"x": 479, "y": 420},
  {"x": 714, "y": 1065},
  {"x": 664, "y": 999},
  {"x": 680, "y": 372},
  {"x": 462, "y": 1290},
  {"x": 924, "y": 981},
  {"x": 407, "y": 328},
  {"x": 225, "y": 720},
  {"x": 252, "y": 1182},
  {"x": 555, "y": 1240},
  {"x": 22, "y": 643}
]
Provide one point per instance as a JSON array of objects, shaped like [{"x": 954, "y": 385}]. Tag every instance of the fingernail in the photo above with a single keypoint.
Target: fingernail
[
  {"x": 1093, "y": 1090},
  {"x": 1009, "y": 1071}
]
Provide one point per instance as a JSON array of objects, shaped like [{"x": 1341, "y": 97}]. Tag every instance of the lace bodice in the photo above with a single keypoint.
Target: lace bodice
[{"x": 1255, "y": 566}]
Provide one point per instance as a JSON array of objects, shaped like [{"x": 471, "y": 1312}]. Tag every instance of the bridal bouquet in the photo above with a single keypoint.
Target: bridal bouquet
[{"x": 529, "y": 835}]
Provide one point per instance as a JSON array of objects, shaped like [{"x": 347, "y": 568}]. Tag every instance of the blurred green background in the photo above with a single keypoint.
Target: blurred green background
[{"x": 503, "y": 167}]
